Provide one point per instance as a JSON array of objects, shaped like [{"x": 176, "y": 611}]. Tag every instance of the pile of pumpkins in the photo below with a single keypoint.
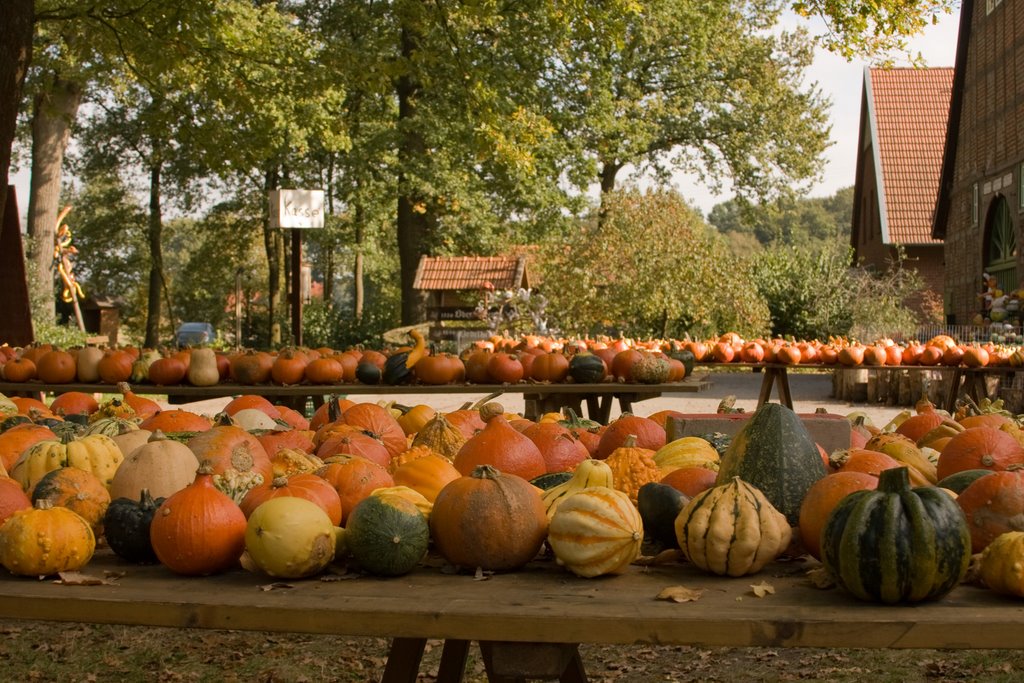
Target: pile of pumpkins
[{"x": 377, "y": 486}]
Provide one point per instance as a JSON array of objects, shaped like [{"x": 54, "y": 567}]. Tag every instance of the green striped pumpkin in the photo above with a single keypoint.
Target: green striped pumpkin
[
  {"x": 897, "y": 543},
  {"x": 387, "y": 535},
  {"x": 774, "y": 453}
]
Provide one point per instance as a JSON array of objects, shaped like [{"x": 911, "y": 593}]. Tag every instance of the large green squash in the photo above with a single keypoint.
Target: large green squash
[
  {"x": 774, "y": 453},
  {"x": 897, "y": 543},
  {"x": 387, "y": 535}
]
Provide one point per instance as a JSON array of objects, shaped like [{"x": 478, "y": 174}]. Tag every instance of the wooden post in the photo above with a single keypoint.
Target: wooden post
[{"x": 297, "y": 287}]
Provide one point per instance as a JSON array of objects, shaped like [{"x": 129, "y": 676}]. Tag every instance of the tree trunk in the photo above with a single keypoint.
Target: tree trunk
[
  {"x": 357, "y": 270},
  {"x": 329, "y": 251},
  {"x": 273, "y": 243},
  {"x": 16, "y": 19},
  {"x": 53, "y": 113},
  {"x": 413, "y": 225},
  {"x": 156, "y": 258},
  {"x": 609, "y": 170}
]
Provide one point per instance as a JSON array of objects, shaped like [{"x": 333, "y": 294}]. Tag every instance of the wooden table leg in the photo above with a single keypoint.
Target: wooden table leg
[
  {"x": 766, "y": 386},
  {"x": 593, "y": 407},
  {"x": 954, "y": 390},
  {"x": 507, "y": 662},
  {"x": 453, "y": 661},
  {"x": 574, "y": 671},
  {"x": 782, "y": 383},
  {"x": 404, "y": 660},
  {"x": 626, "y": 402}
]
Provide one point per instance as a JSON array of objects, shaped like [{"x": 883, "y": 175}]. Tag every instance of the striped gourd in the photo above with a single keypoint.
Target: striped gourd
[
  {"x": 897, "y": 543},
  {"x": 732, "y": 530},
  {"x": 588, "y": 473},
  {"x": 596, "y": 531},
  {"x": 689, "y": 451}
]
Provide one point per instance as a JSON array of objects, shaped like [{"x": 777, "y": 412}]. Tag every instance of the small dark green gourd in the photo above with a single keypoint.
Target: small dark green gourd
[
  {"x": 659, "y": 505},
  {"x": 587, "y": 368},
  {"x": 126, "y": 526}
]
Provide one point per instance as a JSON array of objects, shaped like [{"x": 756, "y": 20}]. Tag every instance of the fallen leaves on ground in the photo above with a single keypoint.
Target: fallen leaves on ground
[
  {"x": 680, "y": 594},
  {"x": 762, "y": 589}
]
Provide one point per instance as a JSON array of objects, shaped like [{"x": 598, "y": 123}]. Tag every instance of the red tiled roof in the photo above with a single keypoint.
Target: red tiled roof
[
  {"x": 471, "y": 272},
  {"x": 909, "y": 109}
]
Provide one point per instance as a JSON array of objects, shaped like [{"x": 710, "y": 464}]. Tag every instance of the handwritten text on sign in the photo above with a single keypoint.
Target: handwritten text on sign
[{"x": 296, "y": 208}]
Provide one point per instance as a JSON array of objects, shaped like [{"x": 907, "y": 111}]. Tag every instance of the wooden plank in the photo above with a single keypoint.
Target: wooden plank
[{"x": 541, "y": 603}]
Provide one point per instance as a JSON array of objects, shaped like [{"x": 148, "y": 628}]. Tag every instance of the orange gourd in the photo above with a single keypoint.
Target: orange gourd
[{"x": 308, "y": 486}]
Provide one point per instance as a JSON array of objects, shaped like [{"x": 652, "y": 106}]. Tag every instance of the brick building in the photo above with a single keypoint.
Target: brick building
[
  {"x": 899, "y": 158},
  {"x": 981, "y": 190}
]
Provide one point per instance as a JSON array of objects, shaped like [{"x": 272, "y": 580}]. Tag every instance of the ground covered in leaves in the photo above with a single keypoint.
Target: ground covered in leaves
[{"x": 70, "y": 653}]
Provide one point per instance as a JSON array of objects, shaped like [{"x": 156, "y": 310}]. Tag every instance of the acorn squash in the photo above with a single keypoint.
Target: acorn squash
[
  {"x": 897, "y": 543},
  {"x": 387, "y": 535},
  {"x": 587, "y": 368},
  {"x": 126, "y": 527}
]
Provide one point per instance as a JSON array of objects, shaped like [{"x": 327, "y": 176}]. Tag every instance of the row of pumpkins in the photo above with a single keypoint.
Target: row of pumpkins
[
  {"x": 378, "y": 484},
  {"x": 620, "y": 360}
]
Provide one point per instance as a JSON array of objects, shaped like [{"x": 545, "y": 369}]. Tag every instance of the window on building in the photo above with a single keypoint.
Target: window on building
[{"x": 1001, "y": 245}]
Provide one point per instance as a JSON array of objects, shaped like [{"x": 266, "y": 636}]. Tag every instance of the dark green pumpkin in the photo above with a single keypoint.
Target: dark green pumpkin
[
  {"x": 396, "y": 370},
  {"x": 659, "y": 505},
  {"x": 686, "y": 358},
  {"x": 960, "y": 480},
  {"x": 551, "y": 480},
  {"x": 65, "y": 430},
  {"x": 586, "y": 368},
  {"x": 774, "y": 453},
  {"x": 897, "y": 543},
  {"x": 126, "y": 526},
  {"x": 719, "y": 440},
  {"x": 386, "y": 535},
  {"x": 368, "y": 373},
  {"x": 14, "y": 421}
]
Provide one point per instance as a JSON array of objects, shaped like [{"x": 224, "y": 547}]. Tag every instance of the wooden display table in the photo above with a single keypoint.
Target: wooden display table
[
  {"x": 539, "y": 398},
  {"x": 541, "y": 604}
]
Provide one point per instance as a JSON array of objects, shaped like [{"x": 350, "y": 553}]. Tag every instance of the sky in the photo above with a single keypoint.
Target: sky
[{"x": 840, "y": 80}]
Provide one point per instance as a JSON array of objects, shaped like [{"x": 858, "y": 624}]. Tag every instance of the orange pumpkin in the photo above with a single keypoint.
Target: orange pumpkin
[
  {"x": 143, "y": 407},
  {"x": 979, "y": 448},
  {"x": 176, "y": 420},
  {"x": 561, "y": 451},
  {"x": 298, "y": 439},
  {"x": 19, "y": 370},
  {"x": 691, "y": 480},
  {"x": 505, "y": 368},
  {"x": 502, "y": 447},
  {"x": 324, "y": 371},
  {"x": 74, "y": 403},
  {"x": 822, "y": 498},
  {"x": 289, "y": 367},
  {"x": 649, "y": 434},
  {"x": 550, "y": 367},
  {"x": 17, "y": 440},
  {"x": 355, "y": 443},
  {"x": 490, "y": 519},
  {"x": 227, "y": 447},
  {"x": 993, "y": 505},
  {"x": 12, "y": 498},
  {"x": 115, "y": 366},
  {"x": 292, "y": 417},
  {"x": 308, "y": 486},
  {"x": 323, "y": 415},
  {"x": 427, "y": 474},
  {"x": 198, "y": 530},
  {"x": 378, "y": 423},
  {"x": 251, "y": 368},
  {"x": 167, "y": 371},
  {"x": 56, "y": 367},
  {"x": 354, "y": 478},
  {"x": 252, "y": 401}
]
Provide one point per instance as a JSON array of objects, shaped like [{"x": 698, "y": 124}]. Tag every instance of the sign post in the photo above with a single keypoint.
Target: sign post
[{"x": 297, "y": 210}]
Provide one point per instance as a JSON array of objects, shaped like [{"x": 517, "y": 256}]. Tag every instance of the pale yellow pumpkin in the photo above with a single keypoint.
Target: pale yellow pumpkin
[
  {"x": 596, "y": 531},
  {"x": 96, "y": 453},
  {"x": 162, "y": 465},
  {"x": 587, "y": 474},
  {"x": 732, "y": 530},
  {"x": 415, "y": 497},
  {"x": 689, "y": 451},
  {"x": 202, "y": 368},
  {"x": 1002, "y": 564}
]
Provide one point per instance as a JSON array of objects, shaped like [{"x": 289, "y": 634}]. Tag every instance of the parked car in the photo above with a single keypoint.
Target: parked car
[{"x": 195, "y": 334}]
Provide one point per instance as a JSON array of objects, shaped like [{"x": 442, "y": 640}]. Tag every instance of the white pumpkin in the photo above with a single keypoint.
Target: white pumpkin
[
  {"x": 251, "y": 419},
  {"x": 161, "y": 465}
]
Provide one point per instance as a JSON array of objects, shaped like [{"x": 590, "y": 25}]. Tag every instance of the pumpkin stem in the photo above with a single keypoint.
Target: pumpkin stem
[
  {"x": 895, "y": 480},
  {"x": 146, "y": 501},
  {"x": 630, "y": 441},
  {"x": 485, "y": 472},
  {"x": 491, "y": 410},
  {"x": 156, "y": 436},
  {"x": 333, "y": 409},
  {"x": 279, "y": 482},
  {"x": 205, "y": 467},
  {"x": 223, "y": 420},
  {"x": 124, "y": 388}
]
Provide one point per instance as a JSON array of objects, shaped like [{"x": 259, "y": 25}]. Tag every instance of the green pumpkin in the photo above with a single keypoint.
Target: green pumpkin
[
  {"x": 774, "y": 453},
  {"x": 659, "y": 505},
  {"x": 897, "y": 543},
  {"x": 126, "y": 527},
  {"x": 14, "y": 421},
  {"x": 686, "y": 358},
  {"x": 398, "y": 367},
  {"x": 551, "y": 480},
  {"x": 387, "y": 535},
  {"x": 368, "y": 373},
  {"x": 961, "y": 480},
  {"x": 586, "y": 368}
]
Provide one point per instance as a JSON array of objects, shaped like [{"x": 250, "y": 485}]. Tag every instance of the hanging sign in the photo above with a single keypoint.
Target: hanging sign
[{"x": 296, "y": 208}]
